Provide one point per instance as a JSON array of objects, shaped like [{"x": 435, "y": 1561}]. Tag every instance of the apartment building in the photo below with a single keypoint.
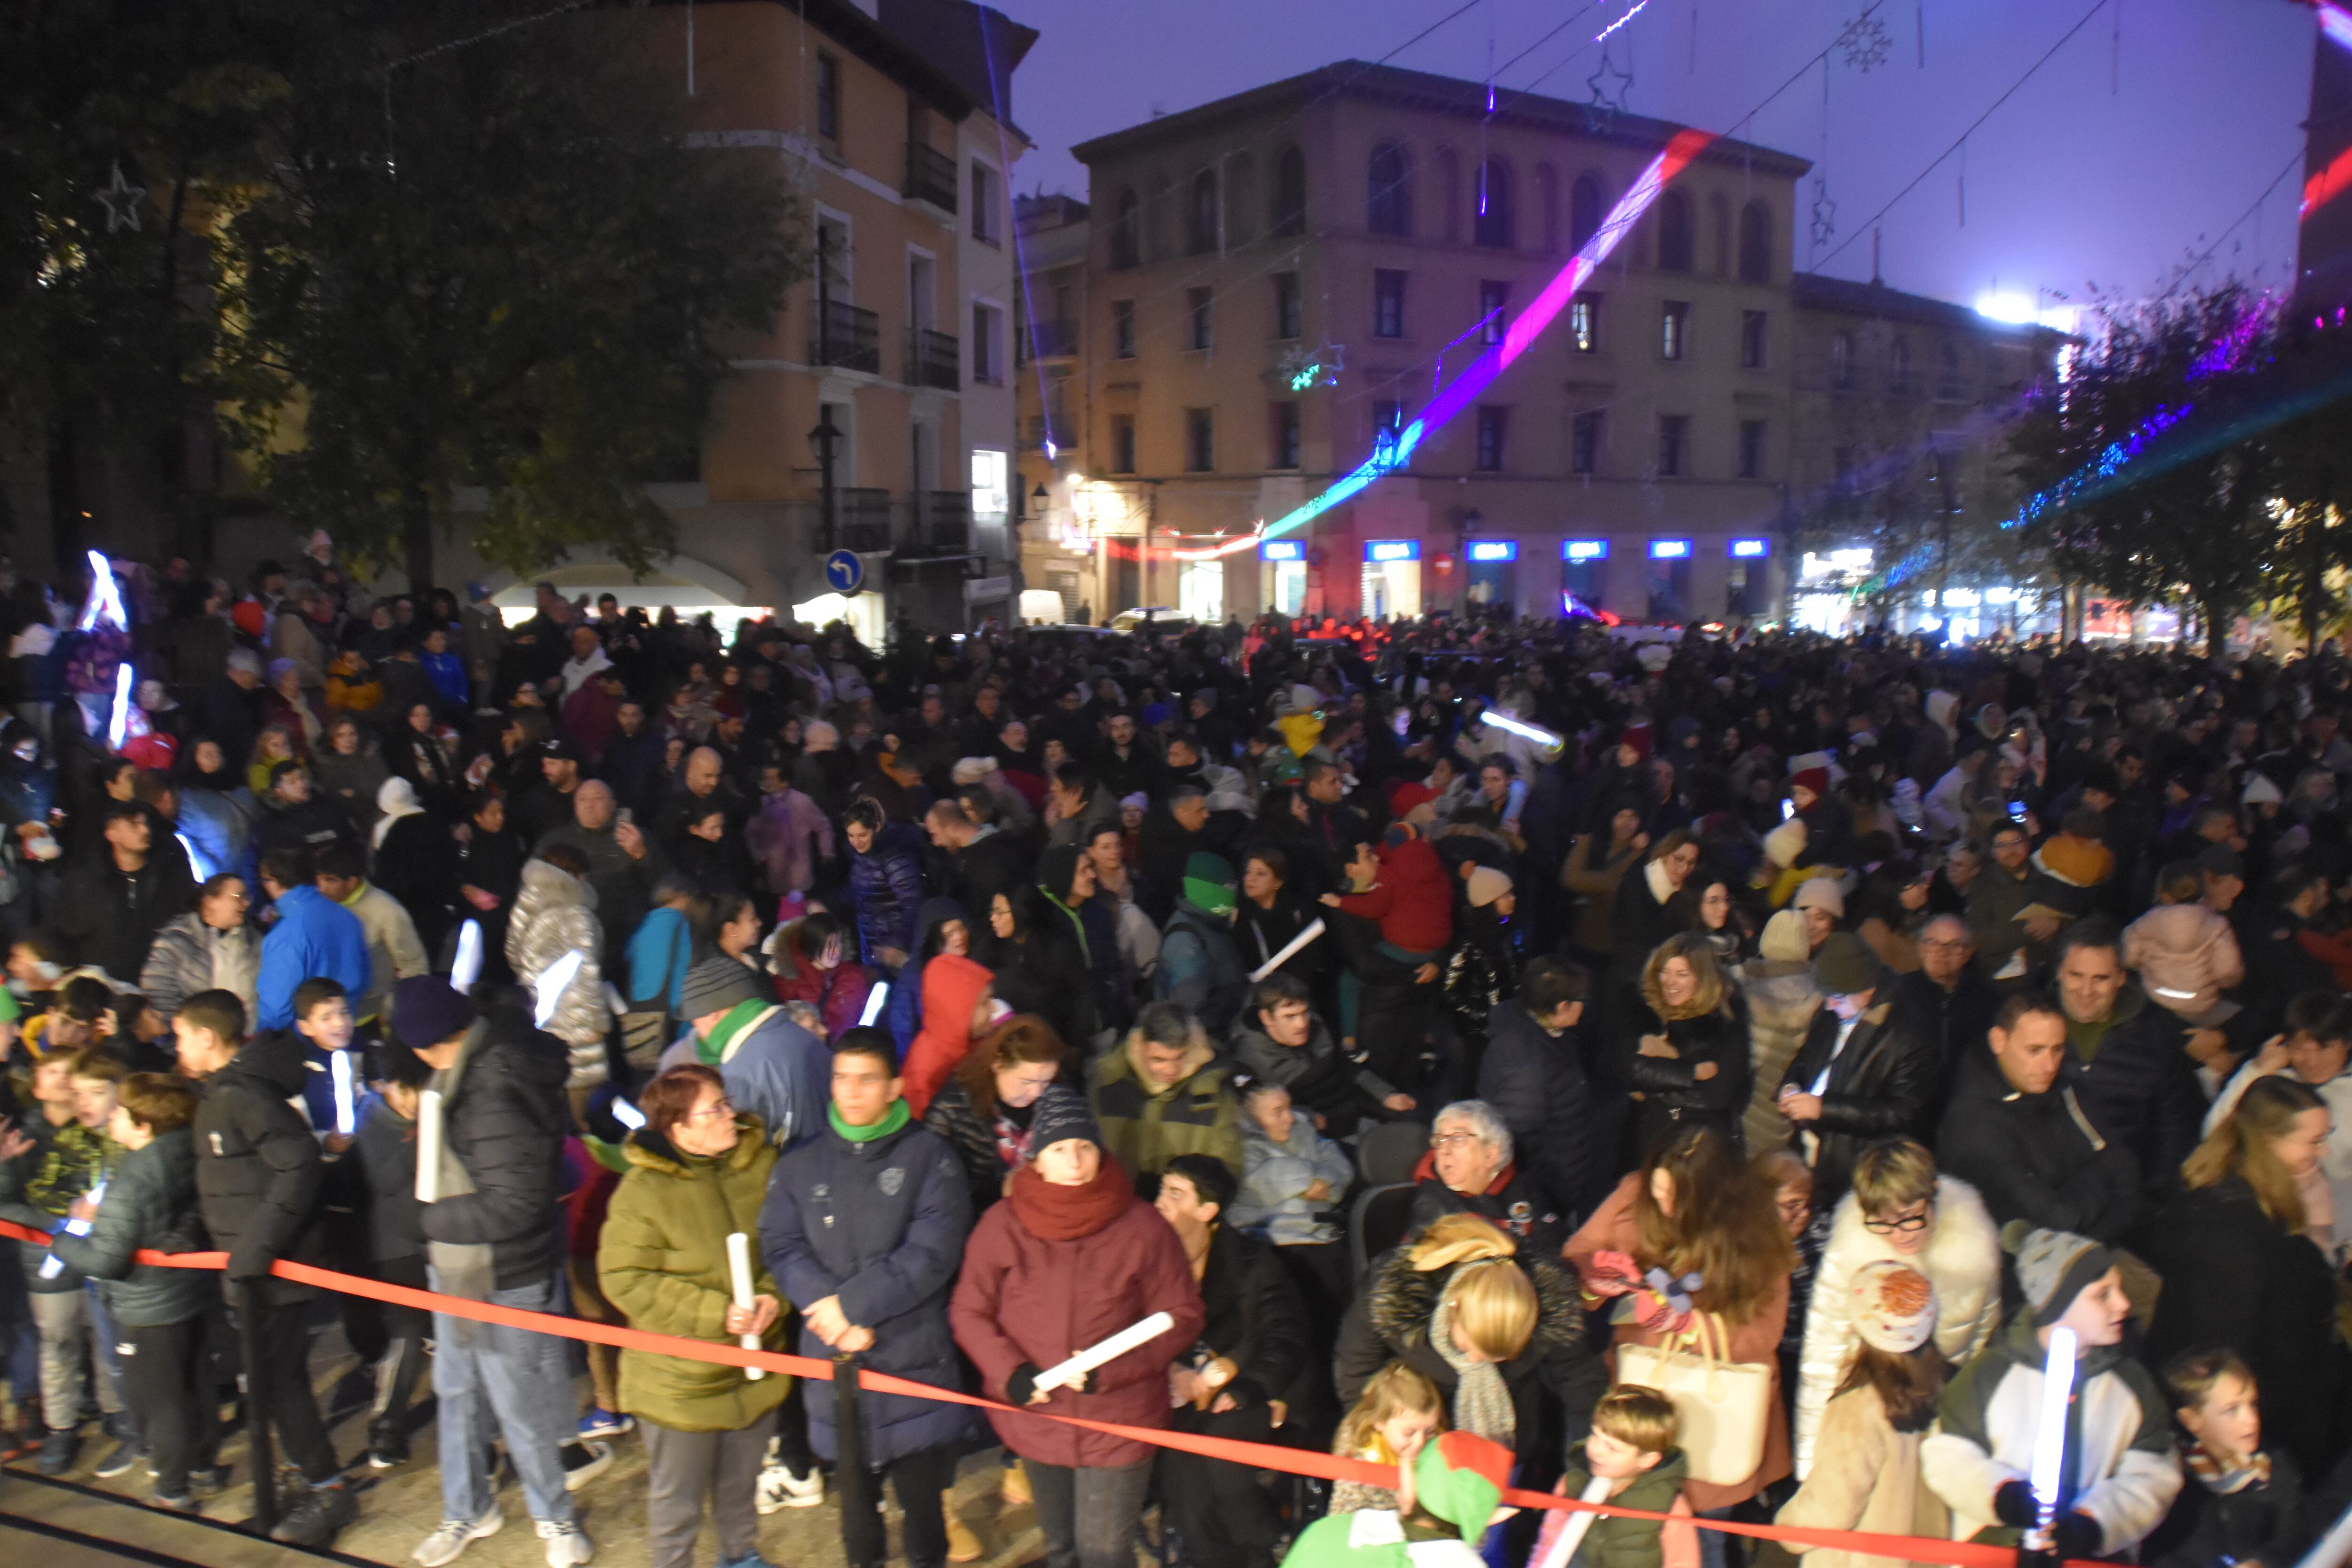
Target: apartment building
[{"x": 1277, "y": 282}]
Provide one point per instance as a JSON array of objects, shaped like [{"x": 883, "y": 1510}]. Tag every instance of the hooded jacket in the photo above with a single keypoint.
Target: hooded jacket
[
  {"x": 1201, "y": 967},
  {"x": 554, "y": 914},
  {"x": 506, "y": 1125},
  {"x": 314, "y": 936},
  {"x": 880, "y": 1224},
  {"x": 952, "y": 988},
  {"x": 40, "y": 1186},
  {"x": 775, "y": 1069},
  {"x": 1961, "y": 1260},
  {"x": 885, "y": 888},
  {"x": 2037, "y": 1157},
  {"x": 1411, "y": 900},
  {"x": 113, "y": 915},
  {"x": 1782, "y": 998},
  {"x": 190, "y": 956},
  {"x": 2187, "y": 955},
  {"x": 151, "y": 1202},
  {"x": 1146, "y": 1126},
  {"x": 259, "y": 1166},
  {"x": 1274, "y": 1176}
]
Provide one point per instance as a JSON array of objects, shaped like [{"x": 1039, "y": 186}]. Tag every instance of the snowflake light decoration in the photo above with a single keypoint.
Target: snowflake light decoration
[{"x": 1866, "y": 43}]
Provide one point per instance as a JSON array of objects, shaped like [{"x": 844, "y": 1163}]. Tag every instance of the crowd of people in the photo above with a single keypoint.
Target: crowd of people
[{"x": 1704, "y": 1073}]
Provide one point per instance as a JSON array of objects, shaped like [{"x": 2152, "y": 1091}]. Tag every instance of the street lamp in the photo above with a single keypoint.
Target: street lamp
[{"x": 823, "y": 441}]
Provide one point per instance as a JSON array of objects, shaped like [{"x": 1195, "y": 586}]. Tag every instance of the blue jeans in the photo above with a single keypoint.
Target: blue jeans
[
  {"x": 489, "y": 1380},
  {"x": 109, "y": 1342}
]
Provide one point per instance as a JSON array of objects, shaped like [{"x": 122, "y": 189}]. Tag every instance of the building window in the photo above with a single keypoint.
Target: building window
[
  {"x": 1751, "y": 449},
  {"x": 1548, "y": 199},
  {"x": 1387, "y": 413},
  {"x": 992, "y": 483},
  {"x": 1200, "y": 440},
  {"x": 1126, "y": 230},
  {"x": 1584, "y": 322},
  {"x": 1673, "y": 329},
  {"x": 1494, "y": 227},
  {"x": 1948, "y": 374},
  {"x": 1493, "y": 422},
  {"x": 1122, "y": 329},
  {"x": 1842, "y": 362},
  {"x": 1673, "y": 429},
  {"x": 1387, "y": 200},
  {"x": 1123, "y": 443},
  {"x": 1584, "y": 444},
  {"x": 1388, "y": 303},
  {"x": 1201, "y": 216},
  {"x": 1285, "y": 305},
  {"x": 1286, "y": 436},
  {"x": 1674, "y": 233},
  {"x": 983, "y": 205},
  {"x": 1199, "y": 317},
  {"x": 828, "y": 98},
  {"x": 1898, "y": 368},
  {"x": 1583, "y": 210},
  {"x": 1289, "y": 193},
  {"x": 1755, "y": 244},
  {"x": 1494, "y": 310},
  {"x": 1753, "y": 339},
  {"x": 987, "y": 364}
]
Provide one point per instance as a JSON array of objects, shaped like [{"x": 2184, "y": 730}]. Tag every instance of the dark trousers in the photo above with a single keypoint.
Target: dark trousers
[
  {"x": 395, "y": 1344},
  {"x": 1089, "y": 1512},
  {"x": 165, "y": 1375},
  {"x": 1220, "y": 1513},
  {"x": 919, "y": 1478},
  {"x": 287, "y": 1396}
]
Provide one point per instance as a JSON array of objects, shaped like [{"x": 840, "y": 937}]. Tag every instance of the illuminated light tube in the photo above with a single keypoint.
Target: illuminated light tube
[
  {"x": 1457, "y": 394},
  {"x": 105, "y": 599},
  {"x": 627, "y": 1115},
  {"x": 874, "y": 1000},
  {"x": 2050, "y": 1432},
  {"x": 346, "y": 1111},
  {"x": 2336, "y": 22},
  {"x": 2327, "y": 184},
  {"x": 1540, "y": 736},
  {"x": 118, "y": 726},
  {"x": 548, "y": 990}
]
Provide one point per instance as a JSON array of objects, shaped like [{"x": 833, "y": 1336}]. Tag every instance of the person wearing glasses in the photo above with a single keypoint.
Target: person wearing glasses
[
  {"x": 1470, "y": 1169},
  {"x": 1948, "y": 998},
  {"x": 1901, "y": 1208},
  {"x": 213, "y": 945}
]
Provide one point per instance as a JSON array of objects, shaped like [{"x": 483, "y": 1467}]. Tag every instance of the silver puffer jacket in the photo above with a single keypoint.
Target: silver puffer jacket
[{"x": 554, "y": 914}]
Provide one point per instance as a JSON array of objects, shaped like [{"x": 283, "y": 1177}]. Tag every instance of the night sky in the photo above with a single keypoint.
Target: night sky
[{"x": 2112, "y": 167}]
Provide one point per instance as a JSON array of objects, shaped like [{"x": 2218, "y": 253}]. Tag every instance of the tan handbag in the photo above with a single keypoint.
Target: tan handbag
[{"x": 1724, "y": 1405}]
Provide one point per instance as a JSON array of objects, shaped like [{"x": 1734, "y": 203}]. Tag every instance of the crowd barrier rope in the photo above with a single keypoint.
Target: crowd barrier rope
[{"x": 1258, "y": 1455}]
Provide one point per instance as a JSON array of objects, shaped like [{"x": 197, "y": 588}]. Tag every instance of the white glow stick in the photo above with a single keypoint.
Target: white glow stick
[
  {"x": 1314, "y": 929},
  {"x": 105, "y": 600},
  {"x": 468, "y": 967},
  {"x": 429, "y": 1146},
  {"x": 549, "y": 987},
  {"x": 53, "y": 1265},
  {"x": 739, "y": 1264},
  {"x": 118, "y": 728},
  {"x": 346, "y": 1114},
  {"x": 199, "y": 867},
  {"x": 1111, "y": 1349},
  {"x": 874, "y": 1000},
  {"x": 1570, "y": 1526},
  {"x": 1540, "y": 736},
  {"x": 627, "y": 1115},
  {"x": 2050, "y": 1434}
]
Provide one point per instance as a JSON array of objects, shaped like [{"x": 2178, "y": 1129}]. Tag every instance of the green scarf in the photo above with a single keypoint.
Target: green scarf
[
  {"x": 712, "y": 1051},
  {"x": 897, "y": 1116}
]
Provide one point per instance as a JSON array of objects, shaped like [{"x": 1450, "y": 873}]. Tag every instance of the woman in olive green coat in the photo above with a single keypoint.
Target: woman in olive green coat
[{"x": 699, "y": 1171}]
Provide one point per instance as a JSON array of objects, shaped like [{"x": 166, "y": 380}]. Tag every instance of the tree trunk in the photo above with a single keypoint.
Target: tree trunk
[
  {"x": 66, "y": 531},
  {"x": 2217, "y": 629},
  {"x": 417, "y": 537}
]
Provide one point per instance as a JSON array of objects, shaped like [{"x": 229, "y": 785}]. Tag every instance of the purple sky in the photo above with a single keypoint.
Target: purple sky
[{"x": 2068, "y": 184}]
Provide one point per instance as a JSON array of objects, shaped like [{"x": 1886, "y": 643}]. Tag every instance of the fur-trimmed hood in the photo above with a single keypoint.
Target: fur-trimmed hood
[{"x": 1402, "y": 1298}]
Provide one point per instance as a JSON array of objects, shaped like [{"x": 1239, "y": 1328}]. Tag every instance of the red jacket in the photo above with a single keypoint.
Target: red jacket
[
  {"x": 837, "y": 994},
  {"x": 952, "y": 989},
  {"x": 1021, "y": 1298},
  {"x": 1413, "y": 899}
]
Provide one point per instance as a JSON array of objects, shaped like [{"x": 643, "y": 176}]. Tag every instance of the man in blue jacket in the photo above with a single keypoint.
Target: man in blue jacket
[
  {"x": 314, "y": 936},
  {"x": 863, "y": 1228}
]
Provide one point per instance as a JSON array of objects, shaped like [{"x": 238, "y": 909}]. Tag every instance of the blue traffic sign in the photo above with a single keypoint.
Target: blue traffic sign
[{"x": 844, "y": 572}]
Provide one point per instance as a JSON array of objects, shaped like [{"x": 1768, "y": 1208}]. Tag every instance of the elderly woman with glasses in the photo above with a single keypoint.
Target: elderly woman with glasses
[
  {"x": 697, "y": 1173},
  {"x": 1470, "y": 1169}
]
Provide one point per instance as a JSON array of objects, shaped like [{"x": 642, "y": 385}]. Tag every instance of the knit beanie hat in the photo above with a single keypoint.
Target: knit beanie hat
[
  {"x": 2261, "y": 791},
  {"x": 1209, "y": 883},
  {"x": 2053, "y": 1267},
  {"x": 1822, "y": 893},
  {"x": 1062, "y": 1113},
  {"x": 427, "y": 1010},
  {"x": 1893, "y": 1306},
  {"x": 1814, "y": 779},
  {"x": 1486, "y": 885},
  {"x": 1845, "y": 966},
  {"x": 716, "y": 985},
  {"x": 1637, "y": 736},
  {"x": 1785, "y": 941}
]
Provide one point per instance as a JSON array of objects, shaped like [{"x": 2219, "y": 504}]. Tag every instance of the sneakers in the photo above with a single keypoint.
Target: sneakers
[
  {"x": 568, "y": 1545},
  {"x": 321, "y": 1513},
  {"x": 182, "y": 1504},
  {"x": 749, "y": 1560},
  {"x": 58, "y": 1446},
  {"x": 455, "y": 1535},
  {"x": 126, "y": 1453},
  {"x": 209, "y": 1482},
  {"x": 583, "y": 1463},
  {"x": 779, "y": 1487},
  {"x": 963, "y": 1546},
  {"x": 386, "y": 1449},
  {"x": 602, "y": 1422}
]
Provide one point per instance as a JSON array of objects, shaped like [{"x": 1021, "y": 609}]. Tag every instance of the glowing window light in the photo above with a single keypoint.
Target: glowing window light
[
  {"x": 1382, "y": 550},
  {"x": 1750, "y": 548},
  {"x": 1670, "y": 549},
  {"x": 1684, "y": 146},
  {"x": 1584, "y": 550},
  {"x": 2001, "y": 596},
  {"x": 1283, "y": 550},
  {"x": 1493, "y": 550}
]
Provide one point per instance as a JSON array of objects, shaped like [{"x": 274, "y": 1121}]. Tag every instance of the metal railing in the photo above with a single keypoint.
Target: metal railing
[
  {"x": 846, "y": 336},
  {"x": 864, "y": 519},
  {"x": 930, "y": 176},
  {"x": 946, "y": 521},
  {"x": 934, "y": 359}
]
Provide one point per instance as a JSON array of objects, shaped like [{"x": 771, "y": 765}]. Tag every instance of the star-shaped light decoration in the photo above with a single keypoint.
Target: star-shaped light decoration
[
  {"x": 1611, "y": 85},
  {"x": 122, "y": 200},
  {"x": 1824, "y": 212},
  {"x": 1866, "y": 43}
]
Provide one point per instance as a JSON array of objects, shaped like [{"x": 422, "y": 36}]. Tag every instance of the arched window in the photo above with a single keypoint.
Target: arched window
[
  {"x": 1449, "y": 181},
  {"x": 1241, "y": 200},
  {"x": 1842, "y": 362},
  {"x": 1674, "y": 232},
  {"x": 1387, "y": 196},
  {"x": 1289, "y": 193},
  {"x": 1201, "y": 215},
  {"x": 1898, "y": 366},
  {"x": 1583, "y": 210},
  {"x": 1159, "y": 217},
  {"x": 1494, "y": 228},
  {"x": 1126, "y": 229},
  {"x": 1719, "y": 215},
  {"x": 1755, "y": 244},
  {"x": 1547, "y": 200}
]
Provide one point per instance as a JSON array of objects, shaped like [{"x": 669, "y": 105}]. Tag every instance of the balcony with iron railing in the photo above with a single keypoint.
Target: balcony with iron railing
[
  {"x": 845, "y": 336},
  {"x": 862, "y": 516},
  {"x": 934, "y": 359},
  {"x": 946, "y": 522},
  {"x": 930, "y": 177}
]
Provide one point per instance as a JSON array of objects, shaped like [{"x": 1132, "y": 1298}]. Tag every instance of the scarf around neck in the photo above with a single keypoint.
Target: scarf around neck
[
  {"x": 896, "y": 1117},
  {"x": 1065, "y": 1214},
  {"x": 729, "y": 1031},
  {"x": 1482, "y": 1404}
]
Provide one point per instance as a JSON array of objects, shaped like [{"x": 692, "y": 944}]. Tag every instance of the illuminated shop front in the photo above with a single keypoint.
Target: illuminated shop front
[{"x": 1392, "y": 585}]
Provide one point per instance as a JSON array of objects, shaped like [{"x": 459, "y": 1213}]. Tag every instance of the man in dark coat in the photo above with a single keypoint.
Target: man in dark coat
[
  {"x": 864, "y": 1227},
  {"x": 1252, "y": 1358},
  {"x": 1863, "y": 1074},
  {"x": 258, "y": 1172},
  {"x": 1948, "y": 999},
  {"x": 1534, "y": 1078},
  {"x": 2128, "y": 1059},
  {"x": 1469, "y": 1170},
  {"x": 1281, "y": 1040},
  {"x": 114, "y": 903}
]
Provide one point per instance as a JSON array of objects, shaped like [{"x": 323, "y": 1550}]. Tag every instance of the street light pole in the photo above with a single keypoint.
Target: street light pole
[{"x": 824, "y": 439}]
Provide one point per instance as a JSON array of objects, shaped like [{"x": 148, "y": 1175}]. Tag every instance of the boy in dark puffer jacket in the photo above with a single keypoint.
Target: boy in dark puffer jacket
[{"x": 2241, "y": 1503}]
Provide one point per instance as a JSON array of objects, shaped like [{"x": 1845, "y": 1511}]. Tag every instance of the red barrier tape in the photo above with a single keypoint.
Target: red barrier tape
[{"x": 1258, "y": 1455}]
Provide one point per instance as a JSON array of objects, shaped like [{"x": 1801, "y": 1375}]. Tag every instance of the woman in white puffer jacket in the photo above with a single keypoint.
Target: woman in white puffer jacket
[{"x": 1935, "y": 1224}]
